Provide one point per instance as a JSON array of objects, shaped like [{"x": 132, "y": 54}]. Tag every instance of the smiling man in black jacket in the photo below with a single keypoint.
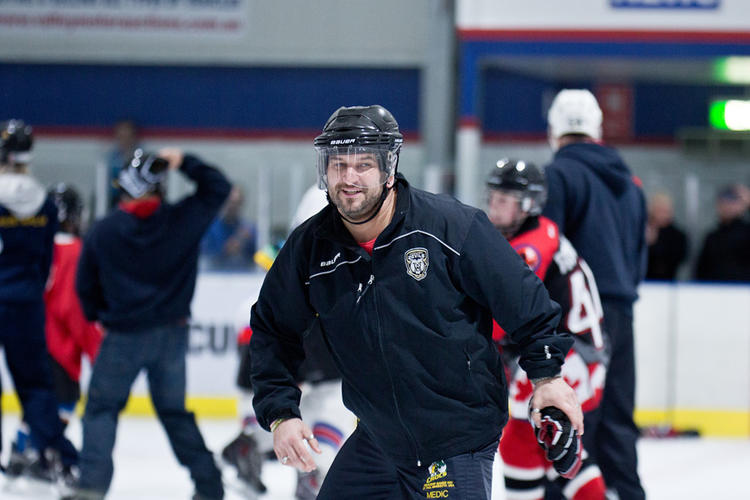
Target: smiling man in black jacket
[{"x": 405, "y": 285}]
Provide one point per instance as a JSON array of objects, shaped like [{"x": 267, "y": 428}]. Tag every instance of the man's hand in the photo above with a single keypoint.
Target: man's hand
[
  {"x": 290, "y": 440},
  {"x": 173, "y": 155},
  {"x": 556, "y": 392}
]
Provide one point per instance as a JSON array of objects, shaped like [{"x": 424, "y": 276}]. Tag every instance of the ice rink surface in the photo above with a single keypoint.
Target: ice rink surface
[{"x": 145, "y": 469}]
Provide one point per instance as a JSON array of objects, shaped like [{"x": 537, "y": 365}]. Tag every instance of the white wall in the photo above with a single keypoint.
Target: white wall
[
  {"x": 279, "y": 32},
  {"x": 692, "y": 343}
]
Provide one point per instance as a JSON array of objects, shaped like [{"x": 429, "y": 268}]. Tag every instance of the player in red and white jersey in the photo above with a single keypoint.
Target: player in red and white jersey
[
  {"x": 69, "y": 334},
  {"x": 516, "y": 195}
]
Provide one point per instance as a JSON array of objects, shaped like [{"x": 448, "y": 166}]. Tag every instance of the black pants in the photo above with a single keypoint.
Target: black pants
[
  {"x": 362, "y": 471},
  {"x": 616, "y": 433},
  {"x": 22, "y": 337}
]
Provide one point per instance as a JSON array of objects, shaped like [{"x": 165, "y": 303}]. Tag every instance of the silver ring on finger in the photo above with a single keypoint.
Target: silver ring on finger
[{"x": 284, "y": 460}]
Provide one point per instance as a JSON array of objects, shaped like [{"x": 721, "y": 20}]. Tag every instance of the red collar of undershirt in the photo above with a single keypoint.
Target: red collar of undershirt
[
  {"x": 140, "y": 208},
  {"x": 368, "y": 245}
]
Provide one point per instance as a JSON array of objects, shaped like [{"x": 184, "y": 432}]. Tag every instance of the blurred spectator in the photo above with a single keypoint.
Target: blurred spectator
[
  {"x": 744, "y": 193},
  {"x": 229, "y": 244},
  {"x": 667, "y": 244},
  {"x": 725, "y": 255},
  {"x": 125, "y": 135},
  {"x": 136, "y": 275}
]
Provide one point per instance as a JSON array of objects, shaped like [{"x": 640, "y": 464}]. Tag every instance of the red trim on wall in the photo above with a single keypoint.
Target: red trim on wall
[
  {"x": 469, "y": 122},
  {"x": 729, "y": 37}
]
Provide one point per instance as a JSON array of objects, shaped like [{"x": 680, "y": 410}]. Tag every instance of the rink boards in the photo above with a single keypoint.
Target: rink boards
[{"x": 692, "y": 348}]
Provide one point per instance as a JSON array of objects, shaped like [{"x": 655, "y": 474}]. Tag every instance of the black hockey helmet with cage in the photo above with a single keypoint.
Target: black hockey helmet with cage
[
  {"x": 357, "y": 128},
  {"x": 68, "y": 202},
  {"x": 525, "y": 178},
  {"x": 16, "y": 140},
  {"x": 145, "y": 173}
]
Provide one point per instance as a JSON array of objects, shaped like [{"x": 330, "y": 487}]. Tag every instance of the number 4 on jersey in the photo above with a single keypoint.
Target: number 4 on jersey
[{"x": 585, "y": 314}]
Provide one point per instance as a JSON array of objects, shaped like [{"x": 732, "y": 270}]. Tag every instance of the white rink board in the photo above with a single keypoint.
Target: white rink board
[
  {"x": 221, "y": 305},
  {"x": 706, "y": 366}
]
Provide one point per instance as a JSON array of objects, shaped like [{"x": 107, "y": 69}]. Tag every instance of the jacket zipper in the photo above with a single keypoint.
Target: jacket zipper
[
  {"x": 360, "y": 291},
  {"x": 412, "y": 439}
]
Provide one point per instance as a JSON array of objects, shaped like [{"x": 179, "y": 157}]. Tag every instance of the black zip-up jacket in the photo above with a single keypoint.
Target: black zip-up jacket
[
  {"x": 409, "y": 328},
  {"x": 139, "y": 273}
]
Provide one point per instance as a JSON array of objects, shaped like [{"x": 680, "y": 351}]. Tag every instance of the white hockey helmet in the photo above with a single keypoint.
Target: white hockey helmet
[{"x": 575, "y": 111}]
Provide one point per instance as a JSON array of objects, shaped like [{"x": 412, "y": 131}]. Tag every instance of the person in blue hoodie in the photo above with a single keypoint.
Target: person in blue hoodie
[
  {"x": 28, "y": 221},
  {"x": 599, "y": 206},
  {"x": 136, "y": 275}
]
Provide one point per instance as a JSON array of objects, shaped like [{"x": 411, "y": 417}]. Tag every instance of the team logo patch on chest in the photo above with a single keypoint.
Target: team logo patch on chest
[{"x": 417, "y": 261}]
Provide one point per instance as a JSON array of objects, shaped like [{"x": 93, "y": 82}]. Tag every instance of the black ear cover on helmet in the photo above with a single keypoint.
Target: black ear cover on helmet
[{"x": 16, "y": 140}]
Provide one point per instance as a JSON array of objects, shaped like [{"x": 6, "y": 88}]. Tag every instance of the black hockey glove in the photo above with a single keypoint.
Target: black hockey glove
[{"x": 560, "y": 441}]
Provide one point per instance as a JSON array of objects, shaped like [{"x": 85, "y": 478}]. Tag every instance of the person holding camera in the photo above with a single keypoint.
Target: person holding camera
[{"x": 136, "y": 276}]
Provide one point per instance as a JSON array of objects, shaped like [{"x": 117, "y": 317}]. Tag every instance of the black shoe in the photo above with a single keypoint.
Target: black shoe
[
  {"x": 78, "y": 494},
  {"x": 66, "y": 476},
  {"x": 29, "y": 463},
  {"x": 243, "y": 454},
  {"x": 198, "y": 496}
]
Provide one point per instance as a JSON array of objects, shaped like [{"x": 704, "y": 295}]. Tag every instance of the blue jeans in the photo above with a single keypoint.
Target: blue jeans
[{"x": 161, "y": 352}]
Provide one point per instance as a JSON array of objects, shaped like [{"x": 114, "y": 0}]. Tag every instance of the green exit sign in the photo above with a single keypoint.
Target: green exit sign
[{"x": 730, "y": 114}]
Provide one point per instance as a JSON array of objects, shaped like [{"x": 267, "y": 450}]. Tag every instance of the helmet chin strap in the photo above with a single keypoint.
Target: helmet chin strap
[{"x": 383, "y": 196}]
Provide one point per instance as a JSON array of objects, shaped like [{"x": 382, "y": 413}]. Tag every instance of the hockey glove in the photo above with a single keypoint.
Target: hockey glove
[{"x": 560, "y": 441}]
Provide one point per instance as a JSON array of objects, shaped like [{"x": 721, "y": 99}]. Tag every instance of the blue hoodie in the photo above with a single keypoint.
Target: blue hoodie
[{"x": 597, "y": 204}]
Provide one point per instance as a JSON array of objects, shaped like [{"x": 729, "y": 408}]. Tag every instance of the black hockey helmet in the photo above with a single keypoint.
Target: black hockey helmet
[
  {"x": 143, "y": 174},
  {"x": 355, "y": 129},
  {"x": 16, "y": 139},
  {"x": 68, "y": 202},
  {"x": 525, "y": 178}
]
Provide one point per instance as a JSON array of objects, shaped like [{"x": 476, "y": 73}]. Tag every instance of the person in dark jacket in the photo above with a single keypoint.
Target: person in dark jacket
[
  {"x": 68, "y": 334},
  {"x": 598, "y": 205},
  {"x": 136, "y": 275},
  {"x": 667, "y": 244},
  {"x": 404, "y": 285},
  {"x": 28, "y": 221},
  {"x": 725, "y": 255}
]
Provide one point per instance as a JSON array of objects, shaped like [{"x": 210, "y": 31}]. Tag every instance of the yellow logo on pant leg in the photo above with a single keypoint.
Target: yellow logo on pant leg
[{"x": 435, "y": 486}]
